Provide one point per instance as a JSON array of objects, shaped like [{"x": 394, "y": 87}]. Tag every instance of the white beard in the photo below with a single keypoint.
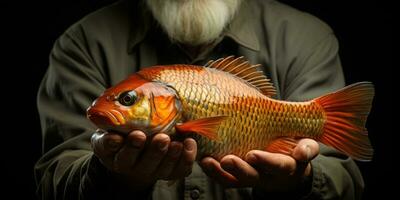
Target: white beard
[{"x": 193, "y": 22}]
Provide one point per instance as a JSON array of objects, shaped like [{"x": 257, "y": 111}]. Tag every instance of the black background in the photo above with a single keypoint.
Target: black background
[{"x": 365, "y": 30}]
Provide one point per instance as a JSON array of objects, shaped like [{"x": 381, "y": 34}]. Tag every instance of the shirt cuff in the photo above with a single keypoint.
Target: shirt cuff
[
  {"x": 316, "y": 182},
  {"x": 100, "y": 183},
  {"x": 309, "y": 187}
]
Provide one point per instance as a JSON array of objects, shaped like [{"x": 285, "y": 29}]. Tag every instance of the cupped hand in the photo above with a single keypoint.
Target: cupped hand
[
  {"x": 140, "y": 161},
  {"x": 271, "y": 172}
]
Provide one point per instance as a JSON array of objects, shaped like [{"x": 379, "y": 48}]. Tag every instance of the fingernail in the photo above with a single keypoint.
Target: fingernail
[
  {"x": 251, "y": 158},
  {"x": 308, "y": 152},
  {"x": 189, "y": 146},
  {"x": 138, "y": 140},
  {"x": 163, "y": 145}
]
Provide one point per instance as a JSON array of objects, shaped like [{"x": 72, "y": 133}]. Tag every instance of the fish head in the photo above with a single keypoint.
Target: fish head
[{"x": 137, "y": 104}]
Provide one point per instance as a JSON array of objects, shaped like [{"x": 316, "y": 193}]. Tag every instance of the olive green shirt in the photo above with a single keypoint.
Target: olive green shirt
[{"x": 296, "y": 50}]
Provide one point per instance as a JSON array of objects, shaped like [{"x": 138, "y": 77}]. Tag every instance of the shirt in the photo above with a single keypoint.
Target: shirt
[{"x": 297, "y": 51}]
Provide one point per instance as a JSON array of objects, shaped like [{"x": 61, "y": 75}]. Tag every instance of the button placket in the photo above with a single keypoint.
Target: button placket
[
  {"x": 195, "y": 193},
  {"x": 195, "y": 185}
]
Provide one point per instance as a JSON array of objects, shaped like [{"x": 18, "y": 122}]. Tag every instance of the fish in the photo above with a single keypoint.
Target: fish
[{"x": 228, "y": 107}]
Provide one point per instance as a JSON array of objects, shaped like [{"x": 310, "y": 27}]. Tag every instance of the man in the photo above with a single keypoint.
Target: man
[{"x": 297, "y": 51}]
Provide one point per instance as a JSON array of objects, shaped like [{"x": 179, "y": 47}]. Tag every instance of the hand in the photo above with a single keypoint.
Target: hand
[
  {"x": 270, "y": 172},
  {"x": 139, "y": 163}
]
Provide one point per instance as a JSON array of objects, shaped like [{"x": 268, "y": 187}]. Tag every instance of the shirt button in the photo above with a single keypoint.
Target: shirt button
[{"x": 195, "y": 194}]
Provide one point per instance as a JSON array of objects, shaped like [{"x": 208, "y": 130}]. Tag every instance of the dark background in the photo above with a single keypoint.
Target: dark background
[{"x": 365, "y": 30}]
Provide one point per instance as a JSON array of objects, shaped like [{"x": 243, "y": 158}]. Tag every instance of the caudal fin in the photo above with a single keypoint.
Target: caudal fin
[{"x": 346, "y": 113}]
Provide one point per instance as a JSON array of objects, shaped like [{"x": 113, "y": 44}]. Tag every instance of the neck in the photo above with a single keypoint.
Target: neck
[{"x": 197, "y": 51}]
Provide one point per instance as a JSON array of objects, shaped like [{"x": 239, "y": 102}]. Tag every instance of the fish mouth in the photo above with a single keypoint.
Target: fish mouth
[{"x": 105, "y": 117}]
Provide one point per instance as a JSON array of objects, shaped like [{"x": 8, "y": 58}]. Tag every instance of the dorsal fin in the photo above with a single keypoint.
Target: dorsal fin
[{"x": 241, "y": 68}]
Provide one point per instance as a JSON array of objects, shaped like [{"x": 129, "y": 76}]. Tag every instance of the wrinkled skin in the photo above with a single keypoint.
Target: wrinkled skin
[
  {"x": 163, "y": 159},
  {"x": 140, "y": 161},
  {"x": 270, "y": 172}
]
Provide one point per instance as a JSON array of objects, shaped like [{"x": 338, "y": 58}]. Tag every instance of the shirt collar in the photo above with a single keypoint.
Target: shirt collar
[
  {"x": 141, "y": 23},
  {"x": 241, "y": 29}
]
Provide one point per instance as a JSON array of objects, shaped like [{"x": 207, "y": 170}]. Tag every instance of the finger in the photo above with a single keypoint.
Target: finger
[
  {"x": 185, "y": 164},
  {"x": 214, "y": 170},
  {"x": 306, "y": 150},
  {"x": 245, "y": 173},
  {"x": 105, "y": 145},
  {"x": 170, "y": 161},
  {"x": 271, "y": 163},
  {"x": 153, "y": 155},
  {"x": 127, "y": 156}
]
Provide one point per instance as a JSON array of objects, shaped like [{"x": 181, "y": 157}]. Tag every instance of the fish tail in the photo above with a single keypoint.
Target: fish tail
[{"x": 346, "y": 113}]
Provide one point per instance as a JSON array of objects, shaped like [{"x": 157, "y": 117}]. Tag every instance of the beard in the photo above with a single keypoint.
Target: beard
[{"x": 193, "y": 22}]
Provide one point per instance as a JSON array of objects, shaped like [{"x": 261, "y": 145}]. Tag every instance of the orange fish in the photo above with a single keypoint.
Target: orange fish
[{"x": 227, "y": 106}]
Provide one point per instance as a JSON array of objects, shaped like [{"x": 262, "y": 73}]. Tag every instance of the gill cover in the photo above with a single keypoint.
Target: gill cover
[
  {"x": 152, "y": 107},
  {"x": 166, "y": 107}
]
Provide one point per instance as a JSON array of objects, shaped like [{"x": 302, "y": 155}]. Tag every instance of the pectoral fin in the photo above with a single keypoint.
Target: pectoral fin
[
  {"x": 207, "y": 127},
  {"x": 284, "y": 145}
]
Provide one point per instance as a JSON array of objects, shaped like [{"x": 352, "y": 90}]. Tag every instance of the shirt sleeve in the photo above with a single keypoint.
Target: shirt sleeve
[
  {"x": 317, "y": 71},
  {"x": 68, "y": 169}
]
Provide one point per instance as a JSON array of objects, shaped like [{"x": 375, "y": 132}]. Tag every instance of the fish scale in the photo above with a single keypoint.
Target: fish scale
[{"x": 253, "y": 119}]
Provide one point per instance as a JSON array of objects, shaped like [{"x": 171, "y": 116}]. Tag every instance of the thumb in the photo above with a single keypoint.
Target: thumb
[
  {"x": 105, "y": 143},
  {"x": 305, "y": 150}
]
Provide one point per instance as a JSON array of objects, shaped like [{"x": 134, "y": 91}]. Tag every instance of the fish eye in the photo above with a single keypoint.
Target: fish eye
[{"x": 127, "y": 98}]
